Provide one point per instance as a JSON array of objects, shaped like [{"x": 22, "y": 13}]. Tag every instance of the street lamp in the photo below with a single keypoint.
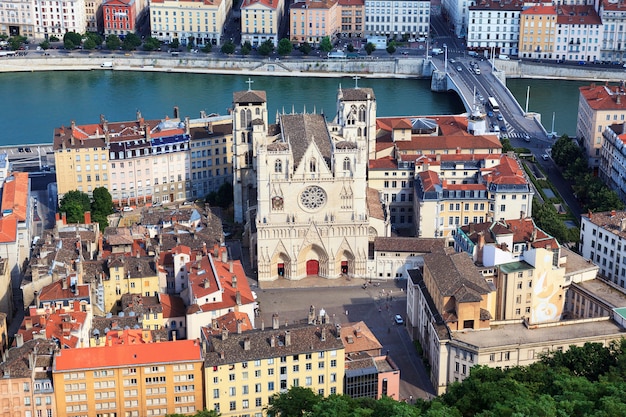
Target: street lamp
[{"x": 445, "y": 58}]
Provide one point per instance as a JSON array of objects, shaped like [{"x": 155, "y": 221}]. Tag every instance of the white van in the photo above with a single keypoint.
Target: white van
[
  {"x": 106, "y": 65},
  {"x": 437, "y": 51},
  {"x": 472, "y": 54},
  {"x": 504, "y": 57}
]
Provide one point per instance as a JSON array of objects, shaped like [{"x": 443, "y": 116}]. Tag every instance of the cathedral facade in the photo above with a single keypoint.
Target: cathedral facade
[{"x": 300, "y": 186}]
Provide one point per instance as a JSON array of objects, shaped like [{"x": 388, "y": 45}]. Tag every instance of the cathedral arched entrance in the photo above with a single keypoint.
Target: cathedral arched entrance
[
  {"x": 345, "y": 263},
  {"x": 281, "y": 265},
  {"x": 312, "y": 261}
]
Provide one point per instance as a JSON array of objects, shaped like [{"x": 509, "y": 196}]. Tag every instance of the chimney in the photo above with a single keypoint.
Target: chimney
[
  {"x": 323, "y": 334},
  {"x": 224, "y": 333},
  {"x": 612, "y": 213},
  {"x": 238, "y": 298},
  {"x": 222, "y": 355},
  {"x": 230, "y": 266},
  {"x": 357, "y": 332},
  {"x": 622, "y": 225},
  {"x": 57, "y": 217},
  {"x": 338, "y": 331},
  {"x": 246, "y": 343},
  {"x": 272, "y": 341},
  {"x": 28, "y": 323},
  {"x": 262, "y": 324},
  {"x": 224, "y": 255},
  {"x": 64, "y": 283},
  {"x": 64, "y": 218},
  {"x": 87, "y": 217},
  {"x": 37, "y": 297},
  {"x": 287, "y": 338},
  {"x": 238, "y": 326},
  {"x": 216, "y": 251},
  {"x": 19, "y": 339},
  {"x": 234, "y": 280},
  {"x": 275, "y": 323},
  {"x": 214, "y": 323}
]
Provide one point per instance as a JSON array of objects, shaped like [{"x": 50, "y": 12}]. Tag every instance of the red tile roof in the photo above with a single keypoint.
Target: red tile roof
[
  {"x": 577, "y": 15},
  {"x": 58, "y": 325},
  {"x": 386, "y": 162},
  {"x": 429, "y": 180},
  {"x": 507, "y": 172},
  {"x": 15, "y": 195},
  {"x": 427, "y": 144},
  {"x": 125, "y": 355},
  {"x": 604, "y": 97},
  {"x": 228, "y": 321},
  {"x": 8, "y": 229},
  {"x": 271, "y": 4},
  {"x": 540, "y": 10},
  {"x": 128, "y": 337},
  {"x": 55, "y": 291},
  {"x": 173, "y": 306}
]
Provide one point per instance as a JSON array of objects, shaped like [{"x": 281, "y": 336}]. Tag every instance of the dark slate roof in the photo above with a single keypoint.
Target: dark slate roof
[
  {"x": 304, "y": 339},
  {"x": 357, "y": 94},
  {"x": 17, "y": 362},
  {"x": 407, "y": 244},
  {"x": 456, "y": 275},
  {"x": 300, "y": 129},
  {"x": 249, "y": 96},
  {"x": 344, "y": 144}
]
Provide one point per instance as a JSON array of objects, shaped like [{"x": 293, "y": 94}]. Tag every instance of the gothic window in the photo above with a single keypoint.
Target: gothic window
[
  {"x": 242, "y": 119},
  {"x": 313, "y": 165},
  {"x": 243, "y": 137},
  {"x": 248, "y": 116},
  {"x": 257, "y": 111},
  {"x": 362, "y": 114},
  {"x": 352, "y": 116},
  {"x": 358, "y": 132},
  {"x": 248, "y": 157},
  {"x": 346, "y": 164},
  {"x": 278, "y": 166}
]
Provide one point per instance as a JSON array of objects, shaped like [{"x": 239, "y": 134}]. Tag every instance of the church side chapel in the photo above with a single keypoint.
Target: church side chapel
[{"x": 300, "y": 186}]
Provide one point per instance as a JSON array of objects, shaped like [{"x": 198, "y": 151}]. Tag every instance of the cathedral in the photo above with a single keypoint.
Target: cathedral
[{"x": 300, "y": 187}]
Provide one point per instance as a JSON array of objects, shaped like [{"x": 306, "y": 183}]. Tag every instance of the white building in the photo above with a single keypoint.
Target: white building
[
  {"x": 578, "y": 33},
  {"x": 613, "y": 16},
  {"x": 53, "y": 19},
  {"x": 493, "y": 26},
  {"x": 302, "y": 183},
  {"x": 396, "y": 18},
  {"x": 603, "y": 242},
  {"x": 260, "y": 20},
  {"x": 613, "y": 159}
]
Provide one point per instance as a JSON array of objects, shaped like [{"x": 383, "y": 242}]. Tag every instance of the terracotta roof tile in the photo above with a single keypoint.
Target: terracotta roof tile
[{"x": 15, "y": 195}]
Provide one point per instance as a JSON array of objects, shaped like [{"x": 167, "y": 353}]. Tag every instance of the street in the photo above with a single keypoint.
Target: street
[{"x": 376, "y": 306}]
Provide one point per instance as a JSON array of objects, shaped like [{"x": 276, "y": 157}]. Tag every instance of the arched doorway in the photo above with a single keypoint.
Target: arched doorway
[{"x": 312, "y": 267}]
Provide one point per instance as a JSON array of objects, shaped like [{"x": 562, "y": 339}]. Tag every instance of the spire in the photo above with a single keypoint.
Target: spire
[
  {"x": 356, "y": 79},
  {"x": 249, "y": 82}
]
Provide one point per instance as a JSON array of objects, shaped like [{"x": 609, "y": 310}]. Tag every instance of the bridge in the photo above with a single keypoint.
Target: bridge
[{"x": 460, "y": 74}]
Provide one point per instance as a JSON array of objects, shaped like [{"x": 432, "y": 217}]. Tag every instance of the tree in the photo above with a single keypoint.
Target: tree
[
  {"x": 131, "y": 42},
  {"x": 266, "y": 48},
  {"x": 15, "y": 42},
  {"x": 246, "y": 48},
  {"x": 53, "y": 38},
  {"x": 151, "y": 44},
  {"x": 223, "y": 197},
  {"x": 113, "y": 42},
  {"x": 547, "y": 219},
  {"x": 74, "y": 204},
  {"x": 506, "y": 145},
  {"x": 391, "y": 48},
  {"x": 203, "y": 413},
  {"x": 45, "y": 45},
  {"x": 207, "y": 48},
  {"x": 305, "y": 48},
  {"x": 350, "y": 47},
  {"x": 326, "y": 45},
  {"x": 175, "y": 44},
  {"x": 97, "y": 39},
  {"x": 89, "y": 44},
  {"x": 72, "y": 40},
  {"x": 590, "y": 360},
  {"x": 191, "y": 42},
  {"x": 228, "y": 48},
  {"x": 294, "y": 403},
  {"x": 102, "y": 202},
  {"x": 284, "y": 47},
  {"x": 369, "y": 48}
]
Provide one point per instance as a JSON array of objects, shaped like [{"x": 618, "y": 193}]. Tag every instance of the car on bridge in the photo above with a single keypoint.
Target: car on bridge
[{"x": 500, "y": 118}]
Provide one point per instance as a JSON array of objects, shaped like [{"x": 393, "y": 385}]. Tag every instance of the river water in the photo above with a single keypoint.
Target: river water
[{"x": 33, "y": 104}]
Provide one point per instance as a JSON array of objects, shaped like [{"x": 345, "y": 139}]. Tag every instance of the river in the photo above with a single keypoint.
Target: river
[{"x": 34, "y": 104}]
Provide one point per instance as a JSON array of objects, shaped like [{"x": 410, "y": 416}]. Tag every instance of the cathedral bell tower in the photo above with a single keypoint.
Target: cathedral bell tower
[{"x": 356, "y": 115}]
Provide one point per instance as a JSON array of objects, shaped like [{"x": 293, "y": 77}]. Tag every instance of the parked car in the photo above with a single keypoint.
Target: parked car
[
  {"x": 544, "y": 157},
  {"x": 398, "y": 319},
  {"x": 127, "y": 208}
]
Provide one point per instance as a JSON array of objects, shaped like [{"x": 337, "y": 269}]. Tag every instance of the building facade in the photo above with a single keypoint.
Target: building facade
[
  {"x": 311, "y": 21},
  {"x": 17, "y": 18},
  {"x": 50, "y": 19},
  {"x": 119, "y": 17},
  {"x": 603, "y": 242},
  {"x": 201, "y": 21},
  {"x": 578, "y": 33},
  {"x": 492, "y": 26},
  {"x": 352, "y": 19},
  {"x": 260, "y": 21},
  {"x": 150, "y": 379},
  {"x": 397, "y": 19},
  {"x": 538, "y": 32}
]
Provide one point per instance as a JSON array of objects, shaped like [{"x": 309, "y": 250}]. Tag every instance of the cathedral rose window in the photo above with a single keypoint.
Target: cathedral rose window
[{"x": 313, "y": 197}]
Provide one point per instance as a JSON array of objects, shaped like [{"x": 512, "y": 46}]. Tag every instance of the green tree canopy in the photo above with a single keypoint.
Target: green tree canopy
[
  {"x": 207, "y": 48},
  {"x": 113, "y": 42},
  {"x": 45, "y": 45},
  {"x": 228, "y": 48},
  {"x": 284, "y": 47},
  {"x": 131, "y": 42},
  {"x": 305, "y": 48},
  {"x": 151, "y": 44},
  {"x": 72, "y": 40},
  {"x": 326, "y": 45},
  {"x": 294, "y": 403},
  {"x": 266, "y": 48},
  {"x": 246, "y": 48},
  {"x": 74, "y": 204},
  {"x": 175, "y": 44},
  {"x": 89, "y": 44},
  {"x": 223, "y": 197},
  {"x": 391, "y": 48},
  {"x": 369, "y": 48}
]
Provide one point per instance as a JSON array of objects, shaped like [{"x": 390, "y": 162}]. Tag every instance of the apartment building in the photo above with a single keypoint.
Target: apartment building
[
  {"x": 243, "y": 370},
  {"x": 352, "y": 19},
  {"x": 612, "y": 169},
  {"x": 310, "y": 21},
  {"x": 599, "y": 106},
  {"x": 129, "y": 275},
  {"x": 17, "y": 18},
  {"x": 538, "y": 32},
  {"x": 26, "y": 380},
  {"x": 200, "y": 22},
  {"x": 492, "y": 26},
  {"x": 613, "y": 16},
  {"x": 260, "y": 21},
  {"x": 397, "y": 18},
  {"x": 151, "y": 379},
  {"x": 211, "y": 153},
  {"x": 603, "y": 242},
  {"x": 53, "y": 18},
  {"x": 138, "y": 161},
  {"x": 119, "y": 17},
  {"x": 457, "y": 190},
  {"x": 93, "y": 16},
  {"x": 578, "y": 33},
  {"x": 393, "y": 257}
]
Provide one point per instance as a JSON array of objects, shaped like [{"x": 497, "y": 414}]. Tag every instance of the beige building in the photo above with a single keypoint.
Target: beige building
[
  {"x": 599, "y": 106},
  {"x": 17, "y": 18},
  {"x": 303, "y": 185},
  {"x": 150, "y": 379},
  {"x": 260, "y": 21},
  {"x": 201, "y": 20},
  {"x": 352, "y": 19},
  {"x": 93, "y": 16},
  {"x": 538, "y": 32},
  {"x": 211, "y": 153},
  {"x": 310, "y": 21},
  {"x": 129, "y": 275},
  {"x": 243, "y": 370}
]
